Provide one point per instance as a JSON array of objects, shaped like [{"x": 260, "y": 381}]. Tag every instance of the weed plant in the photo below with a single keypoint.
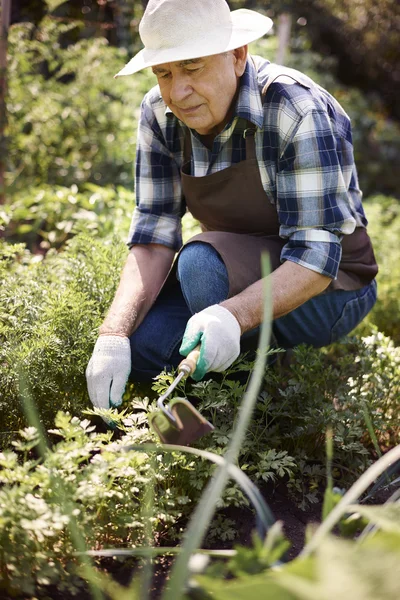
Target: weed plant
[
  {"x": 49, "y": 315},
  {"x": 105, "y": 485}
]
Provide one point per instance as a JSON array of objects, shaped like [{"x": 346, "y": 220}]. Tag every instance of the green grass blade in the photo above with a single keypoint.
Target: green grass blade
[
  {"x": 154, "y": 551},
  {"x": 32, "y": 415},
  {"x": 206, "y": 507},
  {"x": 329, "y": 500},
  {"x": 370, "y": 428}
]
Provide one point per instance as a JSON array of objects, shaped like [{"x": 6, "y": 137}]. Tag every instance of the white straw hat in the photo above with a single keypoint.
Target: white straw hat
[{"x": 174, "y": 30}]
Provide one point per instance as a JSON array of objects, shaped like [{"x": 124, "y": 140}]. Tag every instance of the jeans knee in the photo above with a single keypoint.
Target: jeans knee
[
  {"x": 202, "y": 275},
  {"x": 194, "y": 259}
]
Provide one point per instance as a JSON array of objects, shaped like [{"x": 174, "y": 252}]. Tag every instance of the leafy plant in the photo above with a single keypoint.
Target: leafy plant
[
  {"x": 105, "y": 486},
  {"x": 49, "y": 313},
  {"x": 47, "y": 216},
  {"x": 384, "y": 227},
  {"x": 69, "y": 121}
]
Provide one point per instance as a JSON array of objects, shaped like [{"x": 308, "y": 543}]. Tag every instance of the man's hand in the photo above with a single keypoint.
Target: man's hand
[
  {"x": 219, "y": 333},
  {"x": 108, "y": 370}
]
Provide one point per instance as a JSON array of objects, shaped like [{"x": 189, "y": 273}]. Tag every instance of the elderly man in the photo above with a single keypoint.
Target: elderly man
[{"x": 263, "y": 158}]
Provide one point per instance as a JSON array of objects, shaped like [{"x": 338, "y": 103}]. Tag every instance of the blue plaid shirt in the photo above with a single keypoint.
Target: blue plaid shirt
[{"x": 305, "y": 156}]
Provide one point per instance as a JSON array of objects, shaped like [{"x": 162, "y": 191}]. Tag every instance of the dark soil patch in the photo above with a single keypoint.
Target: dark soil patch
[
  {"x": 294, "y": 519},
  {"x": 284, "y": 509}
]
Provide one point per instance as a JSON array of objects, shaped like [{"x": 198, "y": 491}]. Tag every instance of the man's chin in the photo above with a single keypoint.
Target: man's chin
[
  {"x": 199, "y": 126},
  {"x": 194, "y": 122}
]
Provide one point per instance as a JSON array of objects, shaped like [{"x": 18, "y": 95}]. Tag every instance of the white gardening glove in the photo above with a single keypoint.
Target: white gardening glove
[
  {"x": 219, "y": 333},
  {"x": 108, "y": 370}
]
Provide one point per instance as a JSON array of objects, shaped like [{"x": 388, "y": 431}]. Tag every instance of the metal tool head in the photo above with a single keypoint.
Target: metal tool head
[{"x": 179, "y": 423}]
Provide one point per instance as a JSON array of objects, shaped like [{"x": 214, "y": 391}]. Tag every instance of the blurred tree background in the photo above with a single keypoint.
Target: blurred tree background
[{"x": 68, "y": 141}]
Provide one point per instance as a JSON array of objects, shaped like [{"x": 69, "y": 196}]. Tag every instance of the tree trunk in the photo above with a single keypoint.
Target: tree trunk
[
  {"x": 283, "y": 33},
  {"x": 4, "y": 26}
]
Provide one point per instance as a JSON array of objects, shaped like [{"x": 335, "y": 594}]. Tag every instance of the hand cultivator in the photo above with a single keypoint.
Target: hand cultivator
[{"x": 179, "y": 422}]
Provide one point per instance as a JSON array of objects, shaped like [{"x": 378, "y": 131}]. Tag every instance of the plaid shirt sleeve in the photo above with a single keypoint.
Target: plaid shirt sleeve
[
  {"x": 157, "y": 217},
  {"x": 314, "y": 174}
]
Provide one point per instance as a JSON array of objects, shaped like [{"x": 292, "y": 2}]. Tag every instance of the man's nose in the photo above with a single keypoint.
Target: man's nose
[{"x": 180, "y": 89}]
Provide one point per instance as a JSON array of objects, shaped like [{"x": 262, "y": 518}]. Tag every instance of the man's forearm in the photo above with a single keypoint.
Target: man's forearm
[
  {"x": 292, "y": 285},
  {"x": 142, "y": 277}
]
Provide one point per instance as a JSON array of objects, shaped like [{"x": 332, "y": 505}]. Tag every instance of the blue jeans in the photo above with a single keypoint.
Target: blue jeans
[{"x": 202, "y": 280}]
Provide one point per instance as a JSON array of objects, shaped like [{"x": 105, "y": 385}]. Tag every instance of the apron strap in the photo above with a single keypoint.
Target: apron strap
[
  {"x": 187, "y": 147},
  {"x": 249, "y": 135}
]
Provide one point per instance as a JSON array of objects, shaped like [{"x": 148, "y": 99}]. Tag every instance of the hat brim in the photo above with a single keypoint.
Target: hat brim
[{"x": 247, "y": 26}]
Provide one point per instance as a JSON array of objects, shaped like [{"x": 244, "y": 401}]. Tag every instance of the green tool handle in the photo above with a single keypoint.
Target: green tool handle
[{"x": 188, "y": 365}]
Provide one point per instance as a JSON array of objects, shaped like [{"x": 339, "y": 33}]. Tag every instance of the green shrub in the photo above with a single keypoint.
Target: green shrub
[
  {"x": 84, "y": 479},
  {"x": 49, "y": 315},
  {"x": 384, "y": 228},
  {"x": 46, "y": 216},
  {"x": 69, "y": 121}
]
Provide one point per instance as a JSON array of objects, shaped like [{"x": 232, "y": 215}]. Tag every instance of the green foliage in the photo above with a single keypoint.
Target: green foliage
[
  {"x": 384, "y": 228},
  {"x": 366, "y": 571},
  {"x": 104, "y": 484},
  {"x": 49, "y": 314},
  {"x": 69, "y": 121},
  {"x": 46, "y": 217}
]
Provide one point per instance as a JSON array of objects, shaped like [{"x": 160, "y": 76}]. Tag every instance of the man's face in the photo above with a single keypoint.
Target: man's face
[{"x": 200, "y": 92}]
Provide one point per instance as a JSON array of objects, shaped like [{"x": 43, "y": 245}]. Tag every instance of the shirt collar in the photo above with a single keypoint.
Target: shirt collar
[{"x": 248, "y": 105}]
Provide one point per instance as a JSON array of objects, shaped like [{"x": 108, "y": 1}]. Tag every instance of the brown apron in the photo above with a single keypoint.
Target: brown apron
[{"x": 240, "y": 221}]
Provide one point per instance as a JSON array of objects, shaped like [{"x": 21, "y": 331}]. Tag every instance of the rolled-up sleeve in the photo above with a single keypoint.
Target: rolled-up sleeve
[
  {"x": 157, "y": 217},
  {"x": 313, "y": 202}
]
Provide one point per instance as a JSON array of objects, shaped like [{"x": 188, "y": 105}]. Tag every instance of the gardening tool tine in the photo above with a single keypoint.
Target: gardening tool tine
[
  {"x": 180, "y": 422},
  {"x": 192, "y": 424},
  {"x": 187, "y": 426},
  {"x": 164, "y": 428}
]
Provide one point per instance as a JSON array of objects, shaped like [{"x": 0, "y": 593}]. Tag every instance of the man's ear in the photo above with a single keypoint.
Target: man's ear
[{"x": 240, "y": 55}]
